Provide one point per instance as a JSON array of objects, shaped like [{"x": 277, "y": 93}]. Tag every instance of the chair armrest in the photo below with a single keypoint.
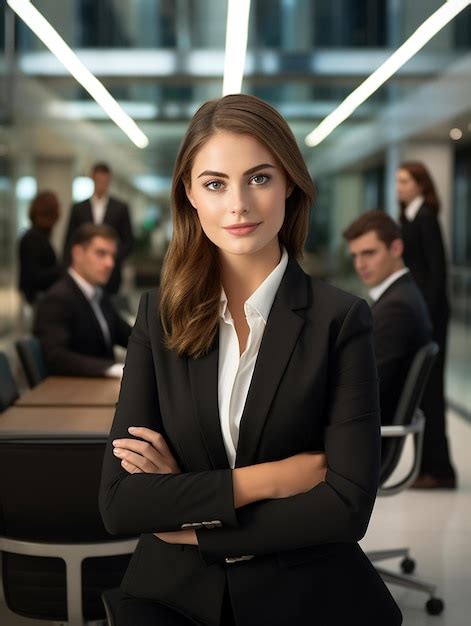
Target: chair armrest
[{"x": 416, "y": 429}]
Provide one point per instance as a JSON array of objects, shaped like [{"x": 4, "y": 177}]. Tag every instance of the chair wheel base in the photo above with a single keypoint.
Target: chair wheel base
[
  {"x": 407, "y": 565},
  {"x": 434, "y": 606}
]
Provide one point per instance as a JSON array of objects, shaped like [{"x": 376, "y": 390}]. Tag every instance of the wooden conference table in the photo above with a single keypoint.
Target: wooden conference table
[
  {"x": 39, "y": 423},
  {"x": 63, "y": 407},
  {"x": 66, "y": 391}
]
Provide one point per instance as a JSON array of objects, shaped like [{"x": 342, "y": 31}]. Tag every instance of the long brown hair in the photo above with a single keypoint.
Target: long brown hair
[
  {"x": 191, "y": 275},
  {"x": 422, "y": 177}
]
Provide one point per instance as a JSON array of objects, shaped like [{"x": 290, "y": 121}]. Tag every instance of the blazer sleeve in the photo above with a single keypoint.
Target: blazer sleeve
[
  {"x": 74, "y": 222},
  {"x": 32, "y": 254},
  {"x": 392, "y": 342},
  {"x": 435, "y": 261},
  {"x": 52, "y": 328},
  {"x": 337, "y": 510},
  {"x": 143, "y": 503},
  {"x": 125, "y": 232}
]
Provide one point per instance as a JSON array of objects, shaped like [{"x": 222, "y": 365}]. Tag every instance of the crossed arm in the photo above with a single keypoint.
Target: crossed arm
[
  {"x": 279, "y": 479},
  {"x": 263, "y": 508}
]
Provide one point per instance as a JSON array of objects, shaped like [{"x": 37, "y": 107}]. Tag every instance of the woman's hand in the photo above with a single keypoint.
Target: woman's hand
[
  {"x": 151, "y": 456},
  {"x": 187, "y": 537},
  {"x": 299, "y": 473}
]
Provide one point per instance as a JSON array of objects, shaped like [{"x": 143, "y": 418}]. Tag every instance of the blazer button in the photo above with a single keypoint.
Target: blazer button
[
  {"x": 191, "y": 525},
  {"x": 208, "y": 524},
  {"x": 236, "y": 559}
]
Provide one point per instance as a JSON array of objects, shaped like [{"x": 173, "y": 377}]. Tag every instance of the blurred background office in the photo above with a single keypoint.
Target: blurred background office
[{"x": 162, "y": 59}]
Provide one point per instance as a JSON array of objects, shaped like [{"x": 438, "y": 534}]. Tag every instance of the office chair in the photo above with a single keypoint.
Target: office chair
[
  {"x": 57, "y": 557},
  {"x": 32, "y": 359},
  {"x": 408, "y": 420},
  {"x": 8, "y": 389}
]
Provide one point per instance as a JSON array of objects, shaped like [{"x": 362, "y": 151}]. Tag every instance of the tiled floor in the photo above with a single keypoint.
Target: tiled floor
[{"x": 436, "y": 526}]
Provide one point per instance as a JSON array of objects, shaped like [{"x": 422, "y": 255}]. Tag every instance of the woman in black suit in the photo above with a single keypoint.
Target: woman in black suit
[
  {"x": 245, "y": 447},
  {"x": 424, "y": 254},
  {"x": 39, "y": 268}
]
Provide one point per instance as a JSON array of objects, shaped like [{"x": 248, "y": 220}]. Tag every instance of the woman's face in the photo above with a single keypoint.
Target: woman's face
[
  {"x": 406, "y": 187},
  {"x": 238, "y": 190}
]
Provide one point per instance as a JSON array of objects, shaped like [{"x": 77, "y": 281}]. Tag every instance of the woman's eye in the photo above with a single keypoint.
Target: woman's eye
[
  {"x": 214, "y": 185},
  {"x": 259, "y": 179}
]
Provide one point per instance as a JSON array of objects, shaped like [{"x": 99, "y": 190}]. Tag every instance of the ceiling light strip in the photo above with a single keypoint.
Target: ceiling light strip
[
  {"x": 51, "y": 38},
  {"x": 237, "y": 29},
  {"x": 430, "y": 27}
]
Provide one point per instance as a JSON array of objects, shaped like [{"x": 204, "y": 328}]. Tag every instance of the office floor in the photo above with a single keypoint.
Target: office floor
[{"x": 437, "y": 527}]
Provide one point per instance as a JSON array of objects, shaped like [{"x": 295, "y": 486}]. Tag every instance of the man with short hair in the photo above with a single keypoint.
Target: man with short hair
[
  {"x": 75, "y": 321},
  {"x": 401, "y": 324},
  {"x": 102, "y": 208}
]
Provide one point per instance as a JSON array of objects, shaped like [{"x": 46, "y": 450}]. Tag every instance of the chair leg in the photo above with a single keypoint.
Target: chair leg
[
  {"x": 381, "y": 555},
  {"x": 406, "y": 581}
]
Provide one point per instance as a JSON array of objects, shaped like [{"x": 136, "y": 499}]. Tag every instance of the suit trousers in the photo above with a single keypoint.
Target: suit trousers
[
  {"x": 134, "y": 611},
  {"x": 436, "y": 456}
]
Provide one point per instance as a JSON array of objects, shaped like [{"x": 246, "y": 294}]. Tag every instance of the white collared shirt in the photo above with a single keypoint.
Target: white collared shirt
[
  {"x": 93, "y": 295},
  {"x": 413, "y": 207},
  {"x": 234, "y": 370},
  {"x": 377, "y": 292},
  {"x": 99, "y": 208}
]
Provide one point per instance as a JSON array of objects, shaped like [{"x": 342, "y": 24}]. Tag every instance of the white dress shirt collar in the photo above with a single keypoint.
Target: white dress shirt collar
[
  {"x": 413, "y": 208},
  {"x": 85, "y": 287},
  {"x": 377, "y": 292},
  {"x": 235, "y": 370},
  {"x": 99, "y": 208},
  {"x": 260, "y": 302}
]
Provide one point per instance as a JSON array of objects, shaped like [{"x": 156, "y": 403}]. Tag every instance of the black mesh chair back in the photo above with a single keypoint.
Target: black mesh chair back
[
  {"x": 32, "y": 359},
  {"x": 52, "y": 498},
  {"x": 8, "y": 388},
  {"x": 408, "y": 404}
]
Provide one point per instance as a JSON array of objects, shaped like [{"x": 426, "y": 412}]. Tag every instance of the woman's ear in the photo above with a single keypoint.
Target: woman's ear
[
  {"x": 289, "y": 188},
  {"x": 189, "y": 195}
]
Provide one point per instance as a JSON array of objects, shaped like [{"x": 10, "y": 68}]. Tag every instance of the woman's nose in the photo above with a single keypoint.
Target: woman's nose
[{"x": 238, "y": 202}]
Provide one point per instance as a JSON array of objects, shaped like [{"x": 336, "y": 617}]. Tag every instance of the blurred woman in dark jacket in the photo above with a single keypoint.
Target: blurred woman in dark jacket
[
  {"x": 424, "y": 254},
  {"x": 39, "y": 267}
]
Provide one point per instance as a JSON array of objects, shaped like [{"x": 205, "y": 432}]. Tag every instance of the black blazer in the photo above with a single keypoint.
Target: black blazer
[
  {"x": 401, "y": 325},
  {"x": 117, "y": 216},
  {"x": 424, "y": 255},
  {"x": 314, "y": 387},
  {"x": 70, "y": 334},
  {"x": 39, "y": 268}
]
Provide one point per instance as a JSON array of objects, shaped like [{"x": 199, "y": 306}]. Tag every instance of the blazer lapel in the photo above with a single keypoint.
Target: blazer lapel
[
  {"x": 279, "y": 339},
  {"x": 204, "y": 389},
  {"x": 283, "y": 328},
  {"x": 87, "y": 211}
]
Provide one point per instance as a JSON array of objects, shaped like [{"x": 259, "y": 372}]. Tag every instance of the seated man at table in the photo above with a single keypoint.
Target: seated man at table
[
  {"x": 401, "y": 324},
  {"x": 75, "y": 321}
]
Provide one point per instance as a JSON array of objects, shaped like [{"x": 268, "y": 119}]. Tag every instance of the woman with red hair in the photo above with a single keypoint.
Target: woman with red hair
[
  {"x": 424, "y": 254},
  {"x": 39, "y": 268}
]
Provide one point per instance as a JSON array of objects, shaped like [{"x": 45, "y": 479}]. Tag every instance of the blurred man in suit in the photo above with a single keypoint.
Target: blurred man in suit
[
  {"x": 75, "y": 320},
  {"x": 401, "y": 324},
  {"x": 102, "y": 208}
]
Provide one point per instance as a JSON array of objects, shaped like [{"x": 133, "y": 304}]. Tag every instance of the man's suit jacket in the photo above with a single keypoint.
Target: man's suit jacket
[
  {"x": 314, "y": 387},
  {"x": 401, "y": 325},
  {"x": 424, "y": 255},
  {"x": 117, "y": 216},
  {"x": 39, "y": 268},
  {"x": 70, "y": 334}
]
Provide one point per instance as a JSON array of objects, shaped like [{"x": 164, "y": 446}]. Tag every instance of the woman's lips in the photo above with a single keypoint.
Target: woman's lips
[{"x": 241, "y": 230}]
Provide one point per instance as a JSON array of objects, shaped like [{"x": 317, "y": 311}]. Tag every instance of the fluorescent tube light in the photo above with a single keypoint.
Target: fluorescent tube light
[
  {"x": 51, "y": 38},
  {"x": 409, "y": 48},
  {"x": 236, "y": 45}
]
